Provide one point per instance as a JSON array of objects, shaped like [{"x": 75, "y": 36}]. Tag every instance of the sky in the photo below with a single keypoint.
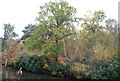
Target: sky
[{"x": 20, "y": 13}]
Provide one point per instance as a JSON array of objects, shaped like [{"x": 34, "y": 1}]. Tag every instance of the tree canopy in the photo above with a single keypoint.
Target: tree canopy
[
  {"x": 91, "y": 22},
  {"x": 55, "y": 21},
  {"x": 27, "y": 31},
  {"x": 9, "y": 31}
]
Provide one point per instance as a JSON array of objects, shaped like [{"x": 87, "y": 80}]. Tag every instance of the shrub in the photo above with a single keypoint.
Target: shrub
[
  {"x": 79, "y": 71},
  {"x": 22, "y": 62},
  {"x": 52, "y": 59},
  {"x": 37, "y": 63},
  {"x": 10, "y": 51},
  {"x": 106, "y": 70},
  {"x": 32, "y": 63},
  {"x": 58, "y": 69},
  {"x": 40, "y": 64}
]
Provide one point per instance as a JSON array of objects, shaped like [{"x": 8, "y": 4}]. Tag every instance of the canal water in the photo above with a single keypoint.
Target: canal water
[{"x": 11, "y": 73}]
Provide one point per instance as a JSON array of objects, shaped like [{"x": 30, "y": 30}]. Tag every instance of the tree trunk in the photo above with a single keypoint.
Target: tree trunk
[{"x": 64, "y": 47}]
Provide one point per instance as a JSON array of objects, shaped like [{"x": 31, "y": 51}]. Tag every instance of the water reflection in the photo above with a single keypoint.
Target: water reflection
[{"x": 11, "y": 73}]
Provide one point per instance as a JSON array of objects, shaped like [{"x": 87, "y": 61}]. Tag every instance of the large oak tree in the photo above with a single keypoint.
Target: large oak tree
[{"x": 55, "y": 22}]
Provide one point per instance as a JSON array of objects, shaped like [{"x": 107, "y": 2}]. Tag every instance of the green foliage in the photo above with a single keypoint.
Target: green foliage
[
  {"x": 37, "y": 63},
  {"x": 27, "y": 31},
  {"x": 111, "y": 25},
  {"x": 55, "y": 22},
  {"x": 8, "y": 34},
  {"x": 22, "y": 62},
  {"x": 32, "y": 63},
  {"x": 93, "y": 47},
  {"x": 91, "y": 23},
  {"x": 49, "y": 48},
  {"x": 9, "y": 31},
  {"x": 106, "y": 70},
  {"x": 40, "y": 64},
  {"x": 59, "y": 69},
  {"x": 79, "y": 71}
]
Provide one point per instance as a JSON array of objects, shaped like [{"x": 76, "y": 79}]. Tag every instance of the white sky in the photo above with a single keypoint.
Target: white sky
[{"x": 23, "y": 12}]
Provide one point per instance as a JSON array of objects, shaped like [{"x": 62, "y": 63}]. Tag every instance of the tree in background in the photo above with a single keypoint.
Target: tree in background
[
  {"x": 8, "y": 34},
  {"x": 111, "y": 25},
  {"x": 92, "y": 29},
  {"x": 92, "y": 22},
  {"x": 9, "y": 45},
  {"x": 27, "y": 31},
  {"x": 112, "y": 32},
  {"x": 55, "y": 22},
  {"x": 99, "y": 40},
  {"x": 9, "y": 31}
]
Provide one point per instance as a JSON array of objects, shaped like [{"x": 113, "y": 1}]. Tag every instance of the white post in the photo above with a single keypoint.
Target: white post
[{"x": 5, "y": 62}]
